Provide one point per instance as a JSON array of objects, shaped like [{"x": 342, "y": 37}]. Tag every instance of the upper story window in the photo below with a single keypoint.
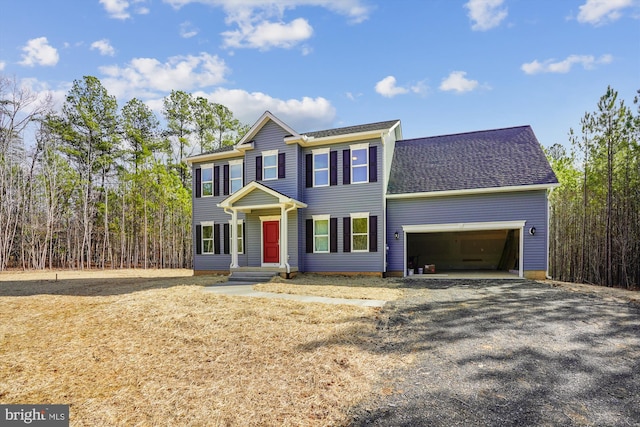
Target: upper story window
[
  {"x": 359, "y": 163},
  {"x": 235, "y": 175},
  {"x": 207, "y": 180},
  {"x": 321, "y": 167},
  {"x": 269, "y": 165}
]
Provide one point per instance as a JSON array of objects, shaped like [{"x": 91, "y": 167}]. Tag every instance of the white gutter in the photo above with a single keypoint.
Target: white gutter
[{"x": 472, "y": 191}]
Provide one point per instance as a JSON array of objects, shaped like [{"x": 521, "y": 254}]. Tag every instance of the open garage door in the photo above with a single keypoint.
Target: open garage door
[{"x": 489, "y": 246}]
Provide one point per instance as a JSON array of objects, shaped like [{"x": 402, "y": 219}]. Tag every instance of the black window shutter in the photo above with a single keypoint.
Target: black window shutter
[
  {"x": 281, "y": 165},
  {"x": 258, "y": 168},
  {"x": 198, "y": 182},
  {"x": 216, "y": 238},
  {"x": 216, "y": 180},
  {"x": 333, "y": 168},
  {"x": 346, "y": 167},
  {"x": 225, "y": 179},
  {"x": 346, "y": 226},
  {"x": 309, "y": 233},
  {"x": 244, "y": 237},
  {"x": 198, "y": 239},
  {"x": 225, "y": 238},
  {"x": 373, "y": 234},
  {"x": 373, "y": 164},
  {"x": 333, "y": 235},
  {"x": 244, "y": 179},
  {"x": 308, "y": 162}
]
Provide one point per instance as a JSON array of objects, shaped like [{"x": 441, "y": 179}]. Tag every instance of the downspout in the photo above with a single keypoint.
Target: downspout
[
  {"x": 234, "y": 241},
  {"x": 286, "y": 261}
]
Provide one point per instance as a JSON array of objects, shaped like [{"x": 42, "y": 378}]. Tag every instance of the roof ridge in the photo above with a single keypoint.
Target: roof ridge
[
  {"x": 351, "y": 126},
  {"x": 464, "y": 133}
]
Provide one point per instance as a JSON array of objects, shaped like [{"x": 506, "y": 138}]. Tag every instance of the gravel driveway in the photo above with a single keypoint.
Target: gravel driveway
[{"x": 509, "y": 352}]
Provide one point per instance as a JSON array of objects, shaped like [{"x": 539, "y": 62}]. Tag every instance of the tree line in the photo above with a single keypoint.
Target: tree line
[
  {"x": 95, "y": 185},
  {"x": 595, "y": 213}
]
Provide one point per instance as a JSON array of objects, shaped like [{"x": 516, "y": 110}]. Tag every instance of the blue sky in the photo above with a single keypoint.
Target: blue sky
[{"x": 440, "y": 66}]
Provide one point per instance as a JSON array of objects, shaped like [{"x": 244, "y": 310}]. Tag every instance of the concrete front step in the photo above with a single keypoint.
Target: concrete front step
[{"x": 251, "y": 276}]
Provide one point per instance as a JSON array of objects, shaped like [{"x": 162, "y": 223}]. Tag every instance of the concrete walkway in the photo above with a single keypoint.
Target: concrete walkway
[{"x": 248, "y": 291}]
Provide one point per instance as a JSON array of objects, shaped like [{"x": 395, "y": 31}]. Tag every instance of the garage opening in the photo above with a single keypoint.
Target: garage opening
[{"x": 464, "y": 247}]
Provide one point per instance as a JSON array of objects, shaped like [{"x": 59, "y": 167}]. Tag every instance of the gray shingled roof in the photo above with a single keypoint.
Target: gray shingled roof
[
  {"x": 221, "y": 149},
  {"x": 485, "y": 159},
  {"x": 352, "y": 129}
]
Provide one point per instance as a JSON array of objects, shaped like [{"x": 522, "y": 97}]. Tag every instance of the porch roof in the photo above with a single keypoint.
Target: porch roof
[{"x": 280, "y": 199}]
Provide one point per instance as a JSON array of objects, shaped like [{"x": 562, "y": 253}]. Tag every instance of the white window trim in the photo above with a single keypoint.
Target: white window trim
[
  {"x": 240, "y": 222},
  {"x": 365, "y": 147},
  {"x": 267, "y": 154},
  {"x": 202, "y": 182},
  {"x": 322, "y": 218},
  {"x": 236, "y": 163},
  {"x": 207, "y": 224},
  {"x": 357, "y": 215},
  {"x": 313, "y": 157}
]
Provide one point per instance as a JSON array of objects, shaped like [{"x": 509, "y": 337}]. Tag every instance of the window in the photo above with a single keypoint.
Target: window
[
  {"x": 207, "y": 180},
  {"x": 321, "y": 167},
  {"x": 207, "y": 237},
  {"x": 239, "y": 236},
  {"x": 321, "y": 233},
  {"x": 359, "y": 163},
  {"x": 360, "y": 232},
  {"x": 235, "y": 175},
  {"x": 270, "y": 165}
]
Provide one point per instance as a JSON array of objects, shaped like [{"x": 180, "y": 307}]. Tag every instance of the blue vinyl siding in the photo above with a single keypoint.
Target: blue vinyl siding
[
  {"x": 529, "y": 206},
  {"x": 256, "y": 197},
  {"x": 340, "y": 201},
  {"x": 271, "y": 137}
]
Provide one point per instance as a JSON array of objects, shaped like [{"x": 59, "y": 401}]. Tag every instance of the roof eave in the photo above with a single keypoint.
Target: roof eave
[
  {"x": 486, "y": 190},
  {"x": 309, "y": 141},
  {"x": 215, "y": 156}
]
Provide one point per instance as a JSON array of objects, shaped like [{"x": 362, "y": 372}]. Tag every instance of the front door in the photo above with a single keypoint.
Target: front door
[{"x": 271, "y": 242}]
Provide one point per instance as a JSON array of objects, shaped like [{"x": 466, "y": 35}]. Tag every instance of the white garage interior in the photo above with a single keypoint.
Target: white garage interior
[{"x": 465, "y": 247}]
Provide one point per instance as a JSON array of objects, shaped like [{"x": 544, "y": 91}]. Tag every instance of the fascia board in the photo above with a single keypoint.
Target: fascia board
[{"x": 515, "y": 188}]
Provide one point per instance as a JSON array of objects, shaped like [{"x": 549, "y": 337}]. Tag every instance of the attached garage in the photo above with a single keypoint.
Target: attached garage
[{"x": 485, "y": 246}]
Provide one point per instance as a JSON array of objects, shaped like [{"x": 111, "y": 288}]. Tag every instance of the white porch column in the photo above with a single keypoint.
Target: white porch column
[
  {"x": 233, "y": 230},
  {"x": 283, "y": 236}
]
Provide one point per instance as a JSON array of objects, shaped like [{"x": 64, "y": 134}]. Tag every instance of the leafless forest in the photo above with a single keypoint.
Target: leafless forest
[
  {"x": 595, "y": 213},
  {"x": 93, "y": 185}
]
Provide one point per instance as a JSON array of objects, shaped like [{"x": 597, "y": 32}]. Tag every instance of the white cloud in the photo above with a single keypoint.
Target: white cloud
[
  {"x": 119, "y": 9},
  {"x": 356, "y": 10},
  {"x": 146, "y": 77},
  {"x": 43, "y": 92},
  {"x": 457, "y": 82},
  {"x": 187, "y": 30},
  {"x": 485, "y": 14},
  {"x": 266, "y": 35},
  {"x": 301, "y": 114},
  {"x": 387, "y": 87},
  {"x": 305, "y": 114},
  {"x": 260, "y": 24},
  {"x": 564, "y": 66},
  {"x": 104, "y": 47},
  {"x": 598, "y": 12},
  {"x": 116, "y": 8},
  {"x": 2, "y": 65},
  {"x": 39, "y": 52}
]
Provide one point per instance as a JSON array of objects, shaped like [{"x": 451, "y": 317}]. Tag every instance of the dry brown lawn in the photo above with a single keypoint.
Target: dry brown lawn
[{"x": 146, "y": 348}]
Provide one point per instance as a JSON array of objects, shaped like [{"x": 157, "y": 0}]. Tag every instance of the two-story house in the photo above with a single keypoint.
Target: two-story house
[{"x": 360, "y": 199}]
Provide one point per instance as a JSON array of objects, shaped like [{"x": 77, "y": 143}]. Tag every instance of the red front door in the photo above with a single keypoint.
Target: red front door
[{"x": 271, "y": 242}]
